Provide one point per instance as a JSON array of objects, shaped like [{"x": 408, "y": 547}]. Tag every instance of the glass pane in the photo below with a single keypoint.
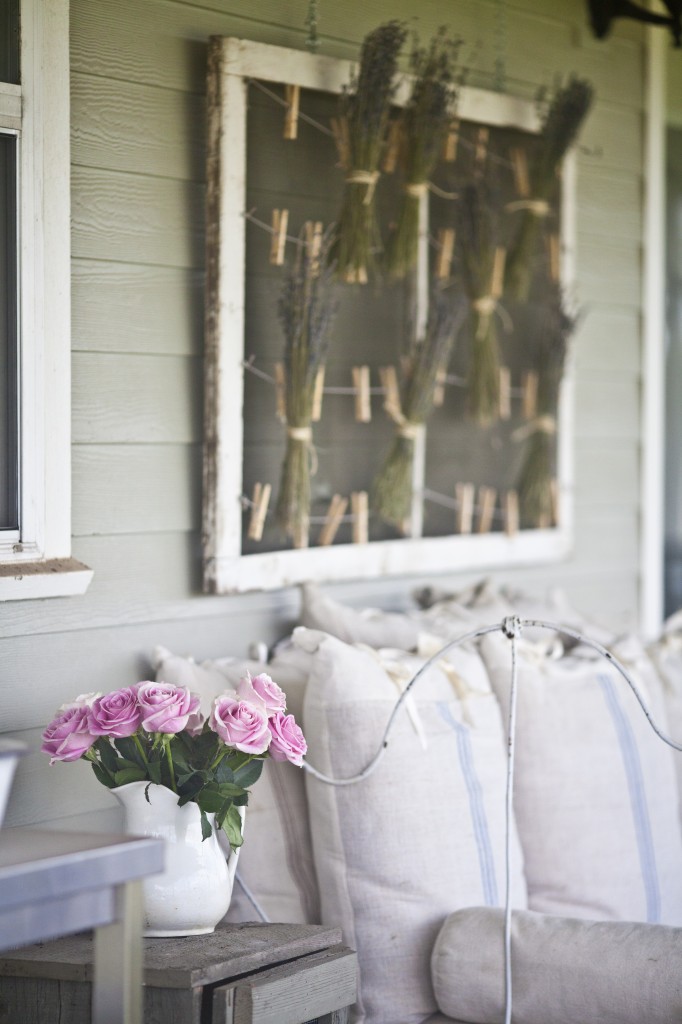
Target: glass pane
[
  {"x": 9, "y": 448},
  {"x": 9, "y": 41}
]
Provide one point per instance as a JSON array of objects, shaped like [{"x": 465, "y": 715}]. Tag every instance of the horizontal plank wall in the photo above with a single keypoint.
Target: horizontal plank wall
[{"x": 138, "y": 136}]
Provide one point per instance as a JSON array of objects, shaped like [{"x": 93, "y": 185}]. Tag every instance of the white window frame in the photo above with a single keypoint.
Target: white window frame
[
  {"x": 231, "y": 63},
  {"x": 36, "y": 561}
]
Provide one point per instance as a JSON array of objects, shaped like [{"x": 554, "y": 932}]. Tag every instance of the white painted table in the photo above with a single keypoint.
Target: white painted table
[{"x": 59, "y": 883}]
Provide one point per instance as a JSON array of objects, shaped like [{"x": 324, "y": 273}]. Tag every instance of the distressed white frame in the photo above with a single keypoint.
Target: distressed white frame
[
  {"x": 231, "y": 63},
  {"x": 35, "y": 561}
]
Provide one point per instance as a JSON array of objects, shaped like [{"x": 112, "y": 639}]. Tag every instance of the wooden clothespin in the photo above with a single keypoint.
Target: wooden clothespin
[
  {"x": 486, "y": 508},
  {"x": 446, "y": 242},
  {"x": 313, "y": 235},
  {"x": 554, "y": 253},
  {"x": 481, "y": 150},
  {"x": 497, "y": 279},
  {"x": 511, "y": 513},
  {"x": 393, "y": 143},
  {"x": 280, "y": 392},
  {"x": 530, "y": 394},
  {"x": 335, "y": 513},
  {"x": 464, "y": 496},
  {"x": 451, "y": 140},
  {"x": 293, "y": 96},
  {"x": 259, "y": 509},
  {"x": 389, "y": 382},
  {"x": 363, "y": 405},
  {"x": 318, "y": 391},
  {"x": 342, "y": 140},
  {"x": 519, "y": 159},
  {"x": 360, "y": 510},
  {"x": 280, "y": 222},
  {"x": 505, "y": 393},
  {"x": 439, "y": 390}
]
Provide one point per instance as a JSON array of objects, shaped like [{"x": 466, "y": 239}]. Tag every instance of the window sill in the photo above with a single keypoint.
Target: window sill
[{"x": 56, "y": 577}]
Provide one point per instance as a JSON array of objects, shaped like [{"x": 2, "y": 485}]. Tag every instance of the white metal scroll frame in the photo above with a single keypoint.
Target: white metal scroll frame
[{"x": 232, "y": 62}]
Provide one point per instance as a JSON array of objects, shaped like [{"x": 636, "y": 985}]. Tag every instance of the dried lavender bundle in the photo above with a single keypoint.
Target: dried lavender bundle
[
  {"x": 424, "y": 126},
  {"x": 363, "y": 120},
  {"x": 307, "y": 307},
  {"x": 420, "y": 372},
  {"x": 551, "y": 329},
  {"x": 476, "y": 241},
  {"x": 563, "y": 120}
]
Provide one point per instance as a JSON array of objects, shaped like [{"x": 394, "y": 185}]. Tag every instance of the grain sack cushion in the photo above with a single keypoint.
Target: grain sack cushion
[
  {"x": 666, "y": 654},
  {"x": 595, "y": 791},
  {"x": 422, "y": 835},
  {"x": 370, "y": 626},
  {"x": 564, "y": 970},
  {"x": 276, "y": 861}
]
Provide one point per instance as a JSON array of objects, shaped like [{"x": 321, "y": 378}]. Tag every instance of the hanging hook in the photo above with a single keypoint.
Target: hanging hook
[{"x": 312, "y": 42}]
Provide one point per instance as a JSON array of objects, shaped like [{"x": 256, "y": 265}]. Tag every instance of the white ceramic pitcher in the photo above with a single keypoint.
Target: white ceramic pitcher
[{"x": 194, "y": 891}]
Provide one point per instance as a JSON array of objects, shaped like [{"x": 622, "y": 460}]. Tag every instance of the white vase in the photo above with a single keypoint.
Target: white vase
[{"x": 194, "y": 891}]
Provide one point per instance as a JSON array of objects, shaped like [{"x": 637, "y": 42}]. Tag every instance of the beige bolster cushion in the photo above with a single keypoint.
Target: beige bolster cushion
[{"x": 564, "y": 970}]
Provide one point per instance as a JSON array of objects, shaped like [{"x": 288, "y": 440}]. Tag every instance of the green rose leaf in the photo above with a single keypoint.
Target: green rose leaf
[
  {"x": 232, "y": 826},
  {"x": 248, "y": 774},
  {"x": 127, "y": 747},
  {"x": 127, "y": 775},
  {"x": 210, "y": 801},
  {"x": 108, "y": 755},
  {"x": 206, "y": 830},
  {"x": 103, "y": 776}
]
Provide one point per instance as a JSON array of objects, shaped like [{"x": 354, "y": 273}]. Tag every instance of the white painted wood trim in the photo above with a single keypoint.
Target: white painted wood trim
[
  {"x": 45, "y": 300},
  {"x": 225, "y": 569},
  {"x": 274, "y": 569},
  {"x": 653, "y": 357},
  {"x": 54, "y": 578},
  {"x": 247, "y": 59}
]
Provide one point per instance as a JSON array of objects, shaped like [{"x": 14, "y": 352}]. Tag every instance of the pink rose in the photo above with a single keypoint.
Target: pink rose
[
  {"x": 264, "y": 692},
  {"x": 240, "y": 724},
  {"x": 68, "y": 736},
  {"x": 288, "y": 742},
  {"x": 165, "y": 707},
  {"x": 116, "y": 714}
]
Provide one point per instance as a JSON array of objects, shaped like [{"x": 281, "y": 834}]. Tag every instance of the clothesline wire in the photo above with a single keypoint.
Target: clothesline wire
[{"x": 462, "y": 141}]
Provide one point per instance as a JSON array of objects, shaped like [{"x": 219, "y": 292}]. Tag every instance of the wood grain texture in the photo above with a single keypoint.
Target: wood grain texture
[
  {"x": 128, "y": 399},
  {"x": 153, "y": 310},
  {"x": 137, "y": 129},
  {"x": 164, "y": 477},
  {"x": 135, "y": 218}
]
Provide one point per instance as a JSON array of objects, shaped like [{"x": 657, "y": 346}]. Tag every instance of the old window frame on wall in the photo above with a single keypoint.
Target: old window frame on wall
[{"x": 232, "y": 63}]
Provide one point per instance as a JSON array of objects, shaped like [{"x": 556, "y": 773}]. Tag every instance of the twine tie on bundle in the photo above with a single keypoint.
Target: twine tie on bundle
[
  {"x": 417, "y": 189},
  {"x": 540, "y": 425},
  {"x": 410, "y": 431},
  {"x": 305, "y": 434},
  {"x": 485, "y": 307},
  {"x": 538, "y": 207},
  {"x": 368, "y": 178}
]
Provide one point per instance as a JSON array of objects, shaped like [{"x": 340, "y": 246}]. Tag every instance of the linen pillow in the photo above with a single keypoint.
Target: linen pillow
[
  {"x": 666, "y": 653},
  {"x": 276, "y": 859},
  {"x": 370, "y": 626},
  {"x": 423, "y": 834},
  {"x": 595, "y": 792},
  {"x": 564, "y": 970}
]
